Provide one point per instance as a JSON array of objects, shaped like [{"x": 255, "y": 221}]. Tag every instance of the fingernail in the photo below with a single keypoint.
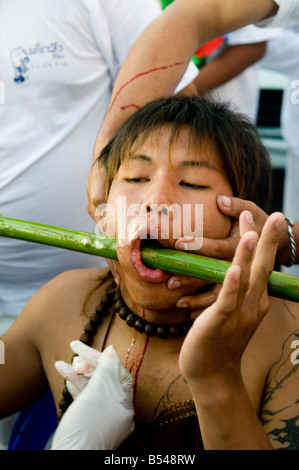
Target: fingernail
[
  {"x": 182, "y": 304},
  {"x": 226, "y": 201},
  {"x": 177, "y": 244},
  {"x": 174, "y": 284},
  {"x": 237, "y": 275},
  {"x": 249, "y": 218},
  {"x": 180, "y": 245},
  {"x": 251, "y": 245}
]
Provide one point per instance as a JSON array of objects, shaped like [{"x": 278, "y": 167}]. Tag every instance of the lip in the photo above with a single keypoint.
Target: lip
[
  {"x": 139, "y": 230},
  {"x": 154, "y": 276}
]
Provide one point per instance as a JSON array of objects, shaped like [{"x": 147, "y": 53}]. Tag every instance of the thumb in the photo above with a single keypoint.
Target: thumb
[{"x": 234, "y": 206}]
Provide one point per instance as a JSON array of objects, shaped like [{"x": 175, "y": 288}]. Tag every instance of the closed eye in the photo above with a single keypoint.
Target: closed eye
[
  {"x": 193, "y": 186},
  {"x": 136, "y": 180}
]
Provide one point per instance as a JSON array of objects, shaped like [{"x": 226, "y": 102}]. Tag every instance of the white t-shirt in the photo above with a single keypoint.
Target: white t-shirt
[
  {"x": 287, "y": 15},
  {"x": 59, "y": 59},
  {"x": 242, "y": 92}
]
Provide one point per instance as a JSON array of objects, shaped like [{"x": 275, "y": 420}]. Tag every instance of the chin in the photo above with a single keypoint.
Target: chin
[{"x": 149, "y": 296}]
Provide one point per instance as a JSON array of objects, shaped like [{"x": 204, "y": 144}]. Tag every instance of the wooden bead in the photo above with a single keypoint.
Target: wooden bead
[
  {"x": 86, "y": 339},
  {"x": 105, "y": 300},
  {"x": 111, "y": 288},
  {"x": 118, "y": 305},
  {"x": 131, "y": 319},
  {"x": 186, "y": 327},
  {"x": 96, "y": 319},
  {"x": 63, "y": 405},
  {"x": 150, "y": 329},
  {"x": 91, "y": 329},
  {"x": 124, "y": 312},
  {"x": 100, "y": 310},
  {"x": 139, "y": 325},
  {"x": 66, "y": 395},
  {"x": 117, "y": 295},
  {"x": 175, "y": 331},
  {"x": 163, "y": 331}
]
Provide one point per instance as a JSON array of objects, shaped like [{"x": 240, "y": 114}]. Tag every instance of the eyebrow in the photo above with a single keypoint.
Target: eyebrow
[
  {"x": 184, "y": 163},
  {"x": 139, "y": 156},
  {"x": 198, "y": 164}
]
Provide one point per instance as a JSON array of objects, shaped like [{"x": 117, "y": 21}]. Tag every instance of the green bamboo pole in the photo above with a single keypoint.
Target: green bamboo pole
[{"x": 176, "y": 262}]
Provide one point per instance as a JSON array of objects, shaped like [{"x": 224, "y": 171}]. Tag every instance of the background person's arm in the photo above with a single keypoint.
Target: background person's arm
[
  {"x": 160, "y": 56},
  {"x": 228, "y": 65}
]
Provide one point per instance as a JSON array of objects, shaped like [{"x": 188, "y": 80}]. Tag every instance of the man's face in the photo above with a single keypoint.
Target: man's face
[{"x": 153, "y": 195}]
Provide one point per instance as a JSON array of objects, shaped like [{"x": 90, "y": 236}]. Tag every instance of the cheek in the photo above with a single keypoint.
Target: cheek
[{"x": 215, "y": 224}]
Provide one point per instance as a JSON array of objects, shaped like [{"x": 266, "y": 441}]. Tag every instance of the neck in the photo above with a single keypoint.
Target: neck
[
  {"x": 165, "y": 316},
  {"x": 161, "y": 327}
]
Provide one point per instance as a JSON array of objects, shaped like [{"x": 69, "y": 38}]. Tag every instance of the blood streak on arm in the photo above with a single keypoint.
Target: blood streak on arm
[
  {"x": 142, "y": 74},
  {"x": 123, "y": 108}
]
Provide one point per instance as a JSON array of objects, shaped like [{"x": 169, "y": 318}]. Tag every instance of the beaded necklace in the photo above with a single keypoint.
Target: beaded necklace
[{"x": 113, "y": 294}]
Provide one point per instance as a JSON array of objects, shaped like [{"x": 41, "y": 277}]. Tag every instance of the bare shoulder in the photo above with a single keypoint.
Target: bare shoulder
[
  {"x": 62, "y": 299},
  {"x": 280, "y": 409},
  {"x": 77, "y": 280}
]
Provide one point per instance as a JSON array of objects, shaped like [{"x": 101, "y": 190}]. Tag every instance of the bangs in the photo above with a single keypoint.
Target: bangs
[{"x": 146, "y": 124}]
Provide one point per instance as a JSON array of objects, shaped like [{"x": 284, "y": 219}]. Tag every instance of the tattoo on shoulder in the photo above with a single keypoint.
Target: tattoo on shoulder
[{"x": 280, "y": 408}]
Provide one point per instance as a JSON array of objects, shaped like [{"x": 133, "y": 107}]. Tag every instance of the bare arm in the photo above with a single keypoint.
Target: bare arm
[
  {"x": 22, "y": 379},
  {"x": 160, "y": 56},
  {"x": 233, "y": 61}
]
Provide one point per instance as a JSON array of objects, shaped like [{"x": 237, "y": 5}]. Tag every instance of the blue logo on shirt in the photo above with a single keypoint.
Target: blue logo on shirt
[
  {"x": 35, "y": 58},
  {"x": 20, "y": 60}
]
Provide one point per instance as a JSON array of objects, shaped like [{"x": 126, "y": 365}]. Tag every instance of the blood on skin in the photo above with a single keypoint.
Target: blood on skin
[
  {"x": 123, "y": 108},
  {"x": 137, "y": 359},
  {"x": 142, "y": 74}
]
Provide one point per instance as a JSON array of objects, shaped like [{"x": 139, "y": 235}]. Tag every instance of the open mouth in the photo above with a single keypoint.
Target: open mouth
[
  {"x": 154, "y": 276},
  {"x": 150, "y": 242}
]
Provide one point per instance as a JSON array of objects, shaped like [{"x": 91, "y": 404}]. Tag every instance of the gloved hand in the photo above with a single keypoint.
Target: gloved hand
[
  {"x": 102, "y": 415},
  {"x": 84, "y": 364}
]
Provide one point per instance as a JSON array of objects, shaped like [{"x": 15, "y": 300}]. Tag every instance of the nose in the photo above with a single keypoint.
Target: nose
[
  {"x": 163, "y": 210},
  {"x": 160, "y": 195}
]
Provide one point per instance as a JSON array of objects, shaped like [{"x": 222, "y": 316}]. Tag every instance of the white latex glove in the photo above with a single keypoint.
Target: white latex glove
[
  {"x": 102, "y": 415},
  {"x": 78, "y": 374}
]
